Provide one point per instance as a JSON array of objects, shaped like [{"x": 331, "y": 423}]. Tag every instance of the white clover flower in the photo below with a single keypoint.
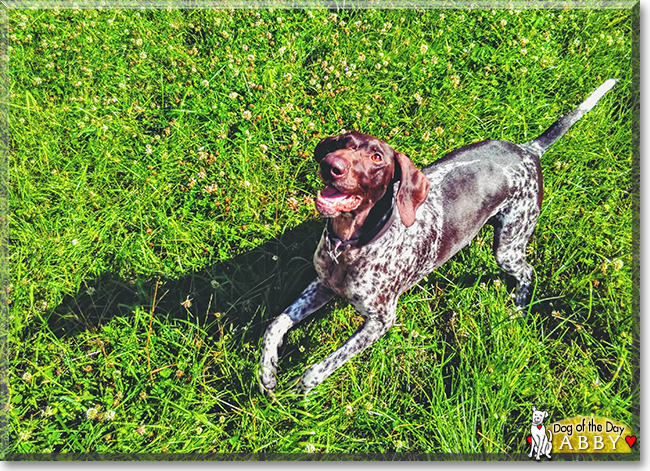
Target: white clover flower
[
  {"x": 91, "y": 413},
  {"x": 109, "y": 415},
  {"x": 310, "y": 448},
  {"x": 210, "y": 188},
  {"x": 423, "y": 49}
]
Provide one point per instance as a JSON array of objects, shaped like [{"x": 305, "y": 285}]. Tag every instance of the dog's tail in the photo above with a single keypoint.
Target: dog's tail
[{"x": 541, "y": 144}]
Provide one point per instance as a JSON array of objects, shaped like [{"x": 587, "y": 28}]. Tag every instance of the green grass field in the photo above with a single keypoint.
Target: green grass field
[{"x": 160, "y": 213}]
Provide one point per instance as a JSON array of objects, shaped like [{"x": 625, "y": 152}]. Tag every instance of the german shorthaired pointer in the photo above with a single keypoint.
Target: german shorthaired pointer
[{"x": 390, "y": 224}]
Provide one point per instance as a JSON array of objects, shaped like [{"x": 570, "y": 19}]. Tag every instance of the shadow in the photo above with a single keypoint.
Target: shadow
[{"x": 246, "y": 291}]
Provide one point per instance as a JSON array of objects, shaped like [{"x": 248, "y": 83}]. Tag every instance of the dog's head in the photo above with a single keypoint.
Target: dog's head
[
  {"x": 357, "y": 170},
  {"x": 538, "y": 416}
]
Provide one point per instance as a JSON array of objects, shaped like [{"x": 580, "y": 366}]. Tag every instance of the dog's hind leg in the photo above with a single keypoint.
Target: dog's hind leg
[{"x": 510, "y": 242}]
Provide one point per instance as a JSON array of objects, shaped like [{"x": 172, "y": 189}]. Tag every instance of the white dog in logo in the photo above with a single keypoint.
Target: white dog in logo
[{"x": 540, "y": 444}]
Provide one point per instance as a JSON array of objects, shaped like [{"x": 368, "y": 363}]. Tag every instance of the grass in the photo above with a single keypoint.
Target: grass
[{"x": 160, "y": 192}]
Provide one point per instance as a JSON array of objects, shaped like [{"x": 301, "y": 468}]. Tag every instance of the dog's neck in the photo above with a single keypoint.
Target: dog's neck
[{"x": 347, "y": 226}]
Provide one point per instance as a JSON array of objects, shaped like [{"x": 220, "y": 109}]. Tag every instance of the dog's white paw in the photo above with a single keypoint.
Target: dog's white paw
[{"x": 266, "y": 379}]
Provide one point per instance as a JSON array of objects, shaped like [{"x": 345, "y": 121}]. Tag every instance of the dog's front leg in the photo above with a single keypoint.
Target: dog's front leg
[
  {"x": 375, "y": 326},
  {"x": 538, "y": 448},
  {"x": 312, "y": 298}
]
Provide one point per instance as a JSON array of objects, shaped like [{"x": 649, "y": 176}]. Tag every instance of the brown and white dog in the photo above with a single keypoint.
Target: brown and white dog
[{"x": 391, "y": 224}]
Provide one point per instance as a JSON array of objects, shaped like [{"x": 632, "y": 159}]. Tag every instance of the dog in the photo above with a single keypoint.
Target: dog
[
  {"x": 540, "y": 444},
  {"x": 389, "y": 224}
]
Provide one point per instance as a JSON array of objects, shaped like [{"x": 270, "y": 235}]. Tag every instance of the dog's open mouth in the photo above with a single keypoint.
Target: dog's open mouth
[{"x": 331, "y": 201}]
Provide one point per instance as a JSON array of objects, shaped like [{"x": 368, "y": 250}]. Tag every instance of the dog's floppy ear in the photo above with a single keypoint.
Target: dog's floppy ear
[
  {"x": 534, "y": 408},
  {"x": 413, "y": 188},
  {"x": 329, "y": 144},
  {"x": 545, "y": 414}
]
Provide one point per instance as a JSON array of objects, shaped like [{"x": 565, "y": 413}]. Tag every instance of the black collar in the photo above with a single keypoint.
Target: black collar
[{"x": 379, "y": 220}]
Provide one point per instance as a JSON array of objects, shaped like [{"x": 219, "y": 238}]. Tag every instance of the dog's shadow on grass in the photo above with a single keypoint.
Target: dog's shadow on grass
[{"x": 241, "y": 294}]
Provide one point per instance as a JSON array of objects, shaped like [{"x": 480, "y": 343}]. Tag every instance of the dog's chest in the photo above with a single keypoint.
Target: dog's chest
[
  {"x": 337, "y": 268},
  {"x": 381, "y": 268}
]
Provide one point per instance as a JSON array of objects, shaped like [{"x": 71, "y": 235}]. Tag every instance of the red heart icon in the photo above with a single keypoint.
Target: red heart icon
[
  {"x": 539, "y": 426},
  {"x": 529, "y": 439},
  {"x": 631, "y": 440}
]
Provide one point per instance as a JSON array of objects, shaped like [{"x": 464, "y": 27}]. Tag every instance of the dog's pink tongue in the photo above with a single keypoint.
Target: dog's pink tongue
[
  {"x": 331, "y": 200},
  {"x": 331, "y": 192}
]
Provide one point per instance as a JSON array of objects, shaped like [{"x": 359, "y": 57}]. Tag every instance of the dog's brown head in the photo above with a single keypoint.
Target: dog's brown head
[{"x": 357, "y": 170}]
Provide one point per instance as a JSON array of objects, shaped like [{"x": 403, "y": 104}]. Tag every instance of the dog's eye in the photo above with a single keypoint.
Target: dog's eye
[{"x": 376, "y": 157}]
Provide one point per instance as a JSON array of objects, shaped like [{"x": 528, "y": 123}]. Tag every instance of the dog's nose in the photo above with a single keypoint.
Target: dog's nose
[{"x": 333, "y": 167}]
